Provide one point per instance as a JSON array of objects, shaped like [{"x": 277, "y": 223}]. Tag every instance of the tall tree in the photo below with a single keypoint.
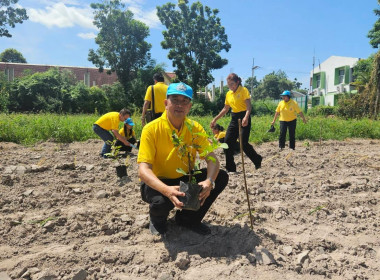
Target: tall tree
[
  {"x": 374, "y": 33},
  {"x": 272, "y": 86},
  {"x": 12, "y": 55},
  {"x": 9, "y": 16},
  {"x": 121, "y": 40},
  {"x": 194, "y": 37}
]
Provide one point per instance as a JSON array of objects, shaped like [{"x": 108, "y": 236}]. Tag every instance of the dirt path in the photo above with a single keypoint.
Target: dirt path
[{"x": 65, "y": 215}]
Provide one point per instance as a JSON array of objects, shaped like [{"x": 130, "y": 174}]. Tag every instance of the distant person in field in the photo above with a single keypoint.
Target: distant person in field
[
  {"x": 219, "y": 132},
  {"x": 107, "y": 127},
  {"x": 158, "y": 93},
  {"x": 288, "y": 110},
  {"x": 239, "y": 100},
  {"x": 129, "y": 134}
]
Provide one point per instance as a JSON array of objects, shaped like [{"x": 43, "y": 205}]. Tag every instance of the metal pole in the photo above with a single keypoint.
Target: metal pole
[
  {"x": 245, "y": 180},
  {"x": 253, "y": 70}
]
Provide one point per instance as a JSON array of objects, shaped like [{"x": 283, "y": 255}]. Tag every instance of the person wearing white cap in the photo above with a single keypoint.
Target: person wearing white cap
[{"x": 158, "y": 171}]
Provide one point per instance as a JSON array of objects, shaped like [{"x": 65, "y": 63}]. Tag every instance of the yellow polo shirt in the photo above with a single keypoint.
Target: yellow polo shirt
[
  {"x": 288, "y": 110},
  {"x": 109, "y": 121},
  {"x": 221, "y": 134},
  {"x": 160, "y": 89},
  {"x": 156, "y": 146},
  {"x": 236, "y": 100},
  {"x": 129, "y": 136}
]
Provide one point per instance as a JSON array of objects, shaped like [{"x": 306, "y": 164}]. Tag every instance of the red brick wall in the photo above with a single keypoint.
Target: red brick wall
[{"x": 95, "y": 76}]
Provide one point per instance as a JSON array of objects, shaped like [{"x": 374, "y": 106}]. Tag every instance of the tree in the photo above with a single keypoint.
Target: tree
[
  {"x": 9, "y": 16},
  {"x": 121, "y": 41},
  {"x": 272, "y": 86},
  {"x": 194, "y": 37},
  {"x": 251, "y": 83},
  {"x": 362, "y": 72},
  {"x": 12, "y": 55},
  {"x": 374, "y": 33}
]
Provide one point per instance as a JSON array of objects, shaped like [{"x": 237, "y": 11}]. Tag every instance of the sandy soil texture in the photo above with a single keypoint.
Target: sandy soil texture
[{"x": 64, "y": 214}]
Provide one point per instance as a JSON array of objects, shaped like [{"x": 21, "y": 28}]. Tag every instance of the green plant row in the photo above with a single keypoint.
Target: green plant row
[{"x": 28, "y": 129}]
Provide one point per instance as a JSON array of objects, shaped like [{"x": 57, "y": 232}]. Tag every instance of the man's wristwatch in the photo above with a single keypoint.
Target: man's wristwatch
[{"x": 212, "y": 182}]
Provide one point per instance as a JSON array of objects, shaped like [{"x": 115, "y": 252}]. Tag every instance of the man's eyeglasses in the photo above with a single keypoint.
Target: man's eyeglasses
[{"x": 177, "y": 101}]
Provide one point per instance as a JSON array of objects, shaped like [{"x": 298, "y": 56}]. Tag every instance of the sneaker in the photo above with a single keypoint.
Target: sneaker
[
  {"x": 258, "y": 163},
  {"x": 157, "y": 230}
]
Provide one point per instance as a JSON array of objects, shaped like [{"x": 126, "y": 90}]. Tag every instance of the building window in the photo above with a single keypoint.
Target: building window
[
  {"x": 87, "y": 79},
  {"x": 10, "y": 74},
  {"x": 318, "y": 79},
  {"x": 341, "y": 76}
]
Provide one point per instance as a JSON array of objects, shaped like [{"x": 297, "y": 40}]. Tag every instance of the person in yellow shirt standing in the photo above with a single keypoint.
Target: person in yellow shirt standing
[
  {"x": 288, "y": 110},
  {"x": 158, "y": 165},
  {"x": 107, "y": 126},
  {"x": 239, "y": 100},
  {"x": 155, "y": 94}
]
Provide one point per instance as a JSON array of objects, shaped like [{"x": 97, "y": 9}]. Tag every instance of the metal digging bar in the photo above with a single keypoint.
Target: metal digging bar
[{"x": 245, "y": 180}]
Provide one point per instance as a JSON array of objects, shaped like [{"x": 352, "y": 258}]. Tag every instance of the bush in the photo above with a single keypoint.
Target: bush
[
  {"x": 322, "y": 111},
  {"x": 263, "y": 107}
]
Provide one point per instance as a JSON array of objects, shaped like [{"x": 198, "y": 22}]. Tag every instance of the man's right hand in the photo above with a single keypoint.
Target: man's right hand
[{"x": 172, "y": 192}]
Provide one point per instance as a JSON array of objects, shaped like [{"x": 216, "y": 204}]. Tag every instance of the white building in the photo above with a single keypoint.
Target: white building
[{"x": 332, "y": 77}]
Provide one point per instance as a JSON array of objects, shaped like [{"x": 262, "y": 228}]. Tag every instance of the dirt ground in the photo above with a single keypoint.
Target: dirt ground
[{"x": 64, "y": 214}]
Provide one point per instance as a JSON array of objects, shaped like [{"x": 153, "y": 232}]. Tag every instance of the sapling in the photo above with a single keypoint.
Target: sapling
[
  {"x": 116, "y": 156},
  {"x": 187, "y": 154}
]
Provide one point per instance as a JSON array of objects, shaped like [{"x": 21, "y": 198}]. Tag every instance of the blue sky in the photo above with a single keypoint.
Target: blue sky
[{"x": 278, "y": 34}]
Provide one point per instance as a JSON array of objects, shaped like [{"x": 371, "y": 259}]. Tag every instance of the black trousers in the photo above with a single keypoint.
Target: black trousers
[
  {"x": 232, "y": 135},
  {"x": 126, "y": 148},
  {"x": 291, "y": 126},
  {"x": 160, "y": 205}
]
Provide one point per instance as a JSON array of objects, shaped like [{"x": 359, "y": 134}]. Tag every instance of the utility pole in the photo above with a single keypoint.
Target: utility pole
[{"x": 253, "y": 71}]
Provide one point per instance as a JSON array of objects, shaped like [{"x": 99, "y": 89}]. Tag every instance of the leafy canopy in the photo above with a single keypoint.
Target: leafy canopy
[
  {"x": 12, "y": 55},
  {"x": 194, "y": 37},
  {"x": 9, "y": 16},
  {"x": 374, "y": 33},
  {"x": 121, "y": 40}
]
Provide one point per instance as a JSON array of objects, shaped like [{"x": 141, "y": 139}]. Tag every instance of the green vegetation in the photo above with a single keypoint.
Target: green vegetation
[{"x": 28, "y": 129}]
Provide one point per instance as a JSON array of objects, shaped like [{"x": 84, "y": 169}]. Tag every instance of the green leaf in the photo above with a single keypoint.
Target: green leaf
[{"x": 180, "y": 170}]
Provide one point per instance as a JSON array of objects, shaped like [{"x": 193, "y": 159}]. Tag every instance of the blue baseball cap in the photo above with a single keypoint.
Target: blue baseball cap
[
  {"x": 180, "y": 89},
  {"x": 286, "y": 93},
  {"x": 129, "y": 121}
]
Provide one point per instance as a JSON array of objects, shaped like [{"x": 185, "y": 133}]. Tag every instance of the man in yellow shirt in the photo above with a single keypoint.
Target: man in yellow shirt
[
  {"x": 288, "y": 110},
  {"x": 158, "y": 164},
  {"x": 159, "y": 95},
  {"x": 107, "y": 126}
]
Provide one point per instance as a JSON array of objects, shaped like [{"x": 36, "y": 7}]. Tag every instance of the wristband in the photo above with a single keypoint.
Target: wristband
[{"x": 212, "y": 182}]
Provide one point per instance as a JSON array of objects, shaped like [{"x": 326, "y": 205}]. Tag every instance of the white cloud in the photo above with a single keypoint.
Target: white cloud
[
  {"x": 62, "y": 16},
  {"x": 90, "y": 35},
  {"x": 150, "y": 18}
]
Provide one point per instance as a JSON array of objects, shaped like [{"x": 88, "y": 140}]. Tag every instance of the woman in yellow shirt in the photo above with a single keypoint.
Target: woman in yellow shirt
[
  {"x": 288, "y": 110},
  {"x": 127, "y": 132},
  {"x": 219, "y": 133},
  {"x": 239, "y": 100}
]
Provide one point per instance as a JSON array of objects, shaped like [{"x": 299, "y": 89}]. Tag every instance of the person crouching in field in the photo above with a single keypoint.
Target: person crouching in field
[
  {"x": 288, "y": 110},
  {"x": 107, "y": 126},
  {"x": 129, "y": 134},
  {"x": 158, "y": 170}
]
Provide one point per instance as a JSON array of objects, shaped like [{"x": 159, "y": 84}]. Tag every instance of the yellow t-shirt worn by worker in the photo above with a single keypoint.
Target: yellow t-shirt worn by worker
[
  {"x": 288, "y": 110},
  {"x": 129, "y": 135},
  {"x": 220, "y": 135},
  {"x": 160, "y": 89},
  {"x": 236, "y": 100},
  {"x": 156, "y": 145},
  {"x": 109, "y": 121}
]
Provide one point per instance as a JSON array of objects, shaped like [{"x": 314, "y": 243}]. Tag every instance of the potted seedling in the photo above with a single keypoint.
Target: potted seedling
[
  {"x": 121, "y": 164},
  {"x": 187, "y": 154}
]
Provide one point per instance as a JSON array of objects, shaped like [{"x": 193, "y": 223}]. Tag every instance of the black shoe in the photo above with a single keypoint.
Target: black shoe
[
  {"x": 157, "y": 229},
  {"x": 258, "y": 163}
]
